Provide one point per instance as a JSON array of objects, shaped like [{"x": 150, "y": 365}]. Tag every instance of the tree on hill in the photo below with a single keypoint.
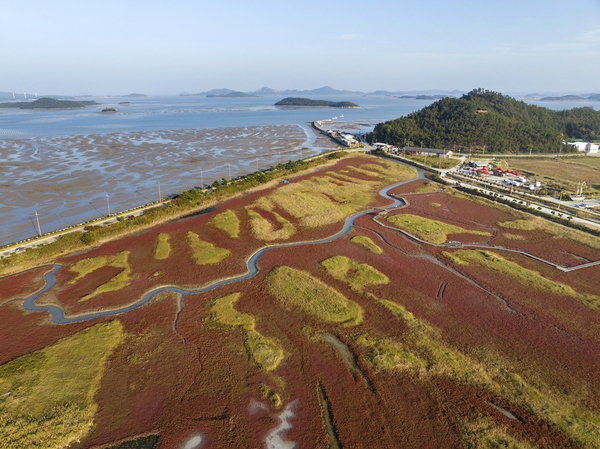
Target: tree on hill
[{"x": 490, "y": 122}]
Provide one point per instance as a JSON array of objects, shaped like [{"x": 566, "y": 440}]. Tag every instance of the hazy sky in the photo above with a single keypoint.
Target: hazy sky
[{"x": 164, "y": 47}]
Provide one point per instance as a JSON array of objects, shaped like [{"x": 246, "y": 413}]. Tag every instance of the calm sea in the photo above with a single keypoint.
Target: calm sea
[
  {"x": 168, "y": 113},
  {"x": 174, "y": 112}
]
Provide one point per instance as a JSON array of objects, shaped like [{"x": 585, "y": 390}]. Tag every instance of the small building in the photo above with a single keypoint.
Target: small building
[
  {"x": 381, "y": 146},
  {"x": 586, "y": 147},
  {"x": 478, "y": 164},
  {"x": 428, "y": 151}
]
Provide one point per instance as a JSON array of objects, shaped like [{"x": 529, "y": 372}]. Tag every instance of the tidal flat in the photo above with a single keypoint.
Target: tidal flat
[{"x": 66, "y": 179}]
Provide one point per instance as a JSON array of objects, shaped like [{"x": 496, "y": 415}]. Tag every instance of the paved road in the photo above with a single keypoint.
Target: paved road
[
  {"x": 44, "y": 240},
  {"x": 532, "y": 204}
]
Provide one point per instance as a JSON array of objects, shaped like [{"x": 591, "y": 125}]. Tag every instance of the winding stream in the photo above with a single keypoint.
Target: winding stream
[{"x": 58, "y": 316}]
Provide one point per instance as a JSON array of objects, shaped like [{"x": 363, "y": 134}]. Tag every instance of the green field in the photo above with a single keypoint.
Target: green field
[
  {"x": 227, "y": 222},
  {"x": 357, "y": 275},
  {"x": 265, "y": 230},
  {"x": 367, "y": 243},
  {"x": 432, "y": 231},
  {"x": 205, "y": 253},
  {"x": 47, "y": 396},
  {"x": 88, "y": 266},
  {"x": 162, "y": 248},
  {"x": 264, "y": 351},
  {"x": 300, "y": 290}
]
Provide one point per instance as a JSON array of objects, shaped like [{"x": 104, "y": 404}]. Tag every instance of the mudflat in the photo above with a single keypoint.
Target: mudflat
[{"x": 66, "y": 179}]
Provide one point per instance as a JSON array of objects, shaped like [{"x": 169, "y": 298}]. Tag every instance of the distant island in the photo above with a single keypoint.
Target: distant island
[
  {"x": 593, "y": 97},
  {"x": 108, "y": 110},
  {"x": 306, "y": 102},
  {"x": 134, "y": 96},
  {"x": 425, "y": 97},
  {"x": 124, "y": 102},
  {"x": 263, "y": 91},
  {"x": 234, "y": 94},
  {"x": 48, "y": 103}
]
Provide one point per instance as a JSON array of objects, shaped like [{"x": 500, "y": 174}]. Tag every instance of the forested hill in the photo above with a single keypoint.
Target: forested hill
[{"x": 491, "y": 122}]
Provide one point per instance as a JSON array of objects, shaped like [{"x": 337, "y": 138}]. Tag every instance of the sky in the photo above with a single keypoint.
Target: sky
[{"x": 169, "y": 47}]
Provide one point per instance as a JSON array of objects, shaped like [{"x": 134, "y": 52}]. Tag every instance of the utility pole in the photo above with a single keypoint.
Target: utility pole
[
  {"x": 159, "y": 195},
  {"x": 38, "y": 223},
  {"x": 107, "y": 204},
  {"x": 560, "y": 199}
]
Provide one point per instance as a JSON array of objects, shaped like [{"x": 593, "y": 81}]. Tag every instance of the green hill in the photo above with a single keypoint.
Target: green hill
[
  {"x": 306, "y": 102},
  {"x": 491, "y": 122},
  {"x": 48, "y": 103}
]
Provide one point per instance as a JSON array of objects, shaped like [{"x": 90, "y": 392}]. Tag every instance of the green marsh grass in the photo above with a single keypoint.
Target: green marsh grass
[
  {"x": 264, "y": 230},
  {"x": 264, "y": 351},
  {"x": 227, "y": 222},
  {"x": 162, "y": 248},
  {"x": 555, "y": 229},
  {"x": 300, "y": 290},
  {"x": 205, "y": 253},
  {"x": 88, "y": 266},
  {"x": 357, "y": 275},
  {"x": 328, "y": 199},
  {"x": 367, "y": 243},
  {"x": 426, "y": 343},
  {"x": 523, "y": 276},
  {"x": 482, "y": 432},
  {"x": 432, "y": 231},
  {"x": 47, "y": 396}
]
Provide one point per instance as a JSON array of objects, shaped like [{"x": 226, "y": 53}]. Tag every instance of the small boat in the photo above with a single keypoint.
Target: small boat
[
  {"x": 342, "y": 116},
  {"x": 333, "y": 118}
]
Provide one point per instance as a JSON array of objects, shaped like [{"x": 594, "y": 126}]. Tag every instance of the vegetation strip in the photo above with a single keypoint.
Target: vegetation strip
[{"x": 47, "y": 396}]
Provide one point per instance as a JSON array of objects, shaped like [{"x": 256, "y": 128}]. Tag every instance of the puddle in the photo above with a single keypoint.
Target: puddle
[
  {"x": 194, "y": 442},
  {"x": 276, "y": 439},
  {"x": 346, "y": 355},
  {"x": 505, "y": 412},
  {"x": 334, "y": 441}
]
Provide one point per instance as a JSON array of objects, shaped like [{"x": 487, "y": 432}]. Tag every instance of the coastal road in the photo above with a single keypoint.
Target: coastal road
[{"x": 46, "y": 239}]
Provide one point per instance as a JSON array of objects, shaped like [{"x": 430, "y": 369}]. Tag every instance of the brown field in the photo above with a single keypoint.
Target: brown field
[
  {"x": 417, "y": 346},
  {"x": 570, "y": 170}
]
